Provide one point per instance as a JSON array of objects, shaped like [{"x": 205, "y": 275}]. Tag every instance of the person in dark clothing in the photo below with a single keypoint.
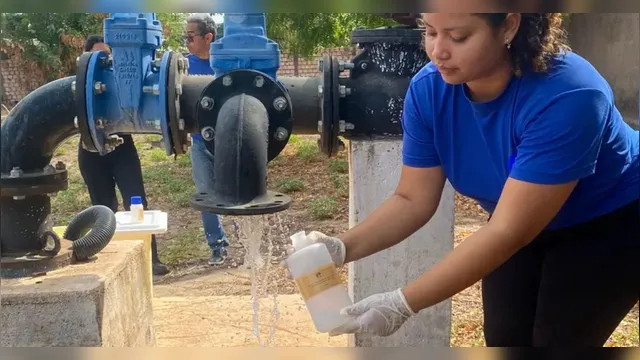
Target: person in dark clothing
[{"x": 120, "y": 167}]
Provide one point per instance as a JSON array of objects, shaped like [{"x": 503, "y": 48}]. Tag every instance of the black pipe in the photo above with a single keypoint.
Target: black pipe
[
  {"x": 35, "y": 127},
  {"x": 192, "y": 87},
  {"x": 305, "y": 100},
  {"x": 28, "y": 138},
  {"x": 91, "y": 230},
  {"x": 23, "y": 224},
  {"x": 241, "y": 139},
  {"x": 303, "y": 92}
]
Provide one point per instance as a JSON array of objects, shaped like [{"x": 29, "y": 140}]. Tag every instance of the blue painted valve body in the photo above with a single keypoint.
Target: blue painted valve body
[
  {"x": 245, "y": 46},
  {"x": 124, "y": 93}
]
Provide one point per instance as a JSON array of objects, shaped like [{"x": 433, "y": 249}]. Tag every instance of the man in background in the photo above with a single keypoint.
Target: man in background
[
  {"x": 199, "y": 34},
  {"x": 120, "y": 167}
]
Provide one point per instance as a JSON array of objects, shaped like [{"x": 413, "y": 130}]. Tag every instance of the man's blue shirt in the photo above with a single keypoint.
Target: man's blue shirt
[
  {"x": 549, "y": 128},
  {"x": 198, "y": 66}
]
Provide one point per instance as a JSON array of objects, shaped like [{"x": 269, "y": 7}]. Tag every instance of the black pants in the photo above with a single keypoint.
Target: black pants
[
  {"x": 569, "y": 287},
  {"x": 120, "y": 167}
]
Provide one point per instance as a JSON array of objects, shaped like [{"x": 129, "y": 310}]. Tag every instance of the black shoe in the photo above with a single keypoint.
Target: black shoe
[
  {"x": 160, "y": 269},
  {"x": 218, "y": 256}
]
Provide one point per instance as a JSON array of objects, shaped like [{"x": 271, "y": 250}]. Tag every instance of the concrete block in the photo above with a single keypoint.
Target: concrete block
[
  {"x": 374, "y": 172},
  {"x": 105, "y": 302}
]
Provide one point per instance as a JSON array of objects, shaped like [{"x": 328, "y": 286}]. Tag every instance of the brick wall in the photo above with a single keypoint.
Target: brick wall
[{"x": 18, "y": 77}]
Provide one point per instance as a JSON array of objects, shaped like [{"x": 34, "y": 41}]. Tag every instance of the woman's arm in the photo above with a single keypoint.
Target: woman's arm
[
  {"x": 523, "y": 211},
  {"x": 412, "y": 205}
]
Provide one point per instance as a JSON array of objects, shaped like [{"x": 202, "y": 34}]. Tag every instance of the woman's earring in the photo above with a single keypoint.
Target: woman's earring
[{"x": 508, "y": 44}]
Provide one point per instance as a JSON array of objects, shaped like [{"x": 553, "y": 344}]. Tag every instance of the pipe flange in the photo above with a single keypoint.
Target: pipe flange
[
  {"x": 176, "y": 70},
  {"x": 271, "y": 93},
  {"x": 330, "y": 107},
  {"x": 271, "y": 202},
  {"x": 36, "y": 263},
  {"x": 51, "y": 179},
  {"x": 80, "y": 95}
]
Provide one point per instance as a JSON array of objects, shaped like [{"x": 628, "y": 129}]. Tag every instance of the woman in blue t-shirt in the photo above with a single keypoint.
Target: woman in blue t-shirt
[{"x": 515, "y": 120}]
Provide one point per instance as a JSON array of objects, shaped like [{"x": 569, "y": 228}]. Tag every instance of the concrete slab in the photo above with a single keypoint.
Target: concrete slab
[
  {"x": 227, "y": 321},
  {"x": 106, "y": 302}
]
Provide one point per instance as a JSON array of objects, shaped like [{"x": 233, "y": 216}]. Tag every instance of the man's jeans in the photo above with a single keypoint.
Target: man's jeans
[{"x": 202, "y": 172}]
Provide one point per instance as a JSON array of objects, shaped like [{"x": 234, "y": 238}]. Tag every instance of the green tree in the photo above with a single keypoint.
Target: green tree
[{"x": 303, "y": 34}]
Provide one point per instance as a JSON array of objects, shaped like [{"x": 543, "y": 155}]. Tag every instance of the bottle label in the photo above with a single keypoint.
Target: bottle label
[{"x": 323, "y": 278}]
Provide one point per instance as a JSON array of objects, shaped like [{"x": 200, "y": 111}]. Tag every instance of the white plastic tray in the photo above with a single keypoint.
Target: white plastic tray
[{"x": 155, "y": 222}]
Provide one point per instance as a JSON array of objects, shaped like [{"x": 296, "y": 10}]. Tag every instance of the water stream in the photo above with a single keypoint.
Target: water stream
[{"x": 256, "y": 234}]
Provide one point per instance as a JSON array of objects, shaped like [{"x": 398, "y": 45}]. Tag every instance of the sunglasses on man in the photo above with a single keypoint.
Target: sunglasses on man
[{"x": 189, "y": 37}]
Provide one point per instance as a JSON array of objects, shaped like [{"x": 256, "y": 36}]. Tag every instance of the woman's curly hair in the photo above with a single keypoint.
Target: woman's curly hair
[{"x": 540, "y": 38}]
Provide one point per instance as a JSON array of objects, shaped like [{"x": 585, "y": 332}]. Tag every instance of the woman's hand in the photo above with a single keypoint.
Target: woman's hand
[
  {"x": 334, "y": 245},
  {"x": 380, "y": 314}
]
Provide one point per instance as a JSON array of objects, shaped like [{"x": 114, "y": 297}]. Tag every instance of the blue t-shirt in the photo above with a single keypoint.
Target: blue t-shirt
[
  {"x": 544, "y": 128},
  {"x": 198, "y": 66}
]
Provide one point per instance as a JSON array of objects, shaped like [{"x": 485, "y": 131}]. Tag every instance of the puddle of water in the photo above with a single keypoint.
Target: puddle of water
[{"x": 256, "y": 234}]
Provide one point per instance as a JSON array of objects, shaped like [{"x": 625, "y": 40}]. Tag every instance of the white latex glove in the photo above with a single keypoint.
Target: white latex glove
[
  {"x": 380, "y": 314},
  {"x": 334, "y": 245}
]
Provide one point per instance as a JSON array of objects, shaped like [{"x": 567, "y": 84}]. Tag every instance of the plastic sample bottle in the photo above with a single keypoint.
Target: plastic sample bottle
[
  {"x": 137, "y": 210},
  {"x": 319, "y": 283}
]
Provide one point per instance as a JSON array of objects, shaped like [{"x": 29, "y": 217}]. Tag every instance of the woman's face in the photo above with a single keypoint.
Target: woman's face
[{"x": 464, "y": 47}]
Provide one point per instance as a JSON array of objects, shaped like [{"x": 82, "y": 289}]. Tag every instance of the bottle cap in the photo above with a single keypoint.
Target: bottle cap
[
  {"x": 299, "y": 240},
  {"x": 136, "y": 200}
]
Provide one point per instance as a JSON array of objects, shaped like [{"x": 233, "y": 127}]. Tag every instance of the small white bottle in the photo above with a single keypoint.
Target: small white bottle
[
  {"x": 137, "y": 210},
  {"x": 319, "y": 283}
]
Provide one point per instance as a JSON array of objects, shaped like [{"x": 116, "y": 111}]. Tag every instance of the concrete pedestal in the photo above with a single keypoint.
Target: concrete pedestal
[
  {"x": 375, "y": 167},
  {"x": 106, "y": 302}
]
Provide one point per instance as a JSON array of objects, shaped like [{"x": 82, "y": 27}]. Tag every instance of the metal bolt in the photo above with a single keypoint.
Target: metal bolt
[
  {"x": 21, "y": 197},
  {"x": 227, "y": 81},
  {"x": 364, "y": 65},
  {"x": 115, "y": 140},
  {"x": 60, "y": 165},
  {"x": 15, "y": 172},
  {"x": 281, "y": 134},
  {"x": 320, "y": 90},
  {"x": 99, "y": 87},
  {"x": 320, "y": 126},
  {"x": 258, "y": 81},
  {"x": 207, "y": 103},
  {"x": 99, "y": 124},
  {"x": 106, "y": 62},
  {"x": 345, "y": 66},
  {"x": 343, "y": 91},
  {"x": 180, "y": 124},
  {"x": 73, "y": 86},
  {"x": 208, "y": 133},
  {"x": 178, "y": 89},
  {"x": 349, "y": 126},
  {"x": 321, "y": 65},
  {"x": 342, "y": 125},
  {"x": 280, "y": 103}
]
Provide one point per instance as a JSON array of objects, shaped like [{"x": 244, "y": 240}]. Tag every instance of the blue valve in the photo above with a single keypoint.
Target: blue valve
[
  {"x": 245, "y": 46},
  {"x": 124, "y": 92}
]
